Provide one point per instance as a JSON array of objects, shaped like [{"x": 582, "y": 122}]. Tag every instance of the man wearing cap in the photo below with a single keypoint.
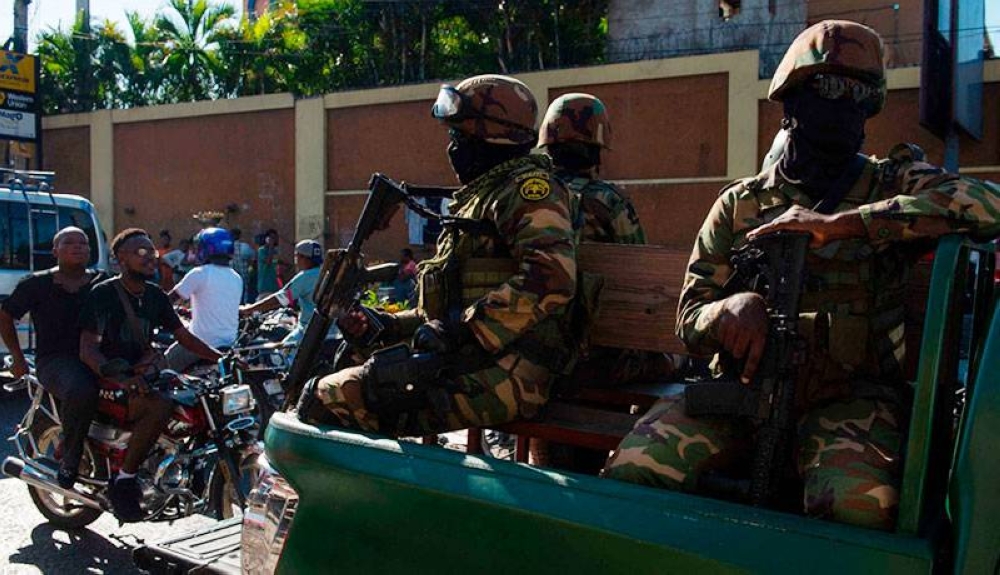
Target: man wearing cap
[
  {"x": 308, "y": 258},
  {"x": 861, "y": 212},
  {"x": 493, "y": 317}
]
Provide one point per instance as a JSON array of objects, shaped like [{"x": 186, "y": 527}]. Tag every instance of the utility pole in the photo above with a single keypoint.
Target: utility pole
[
  {"x": 21, "y": 25},
  {"x": 84, "y": 50}
]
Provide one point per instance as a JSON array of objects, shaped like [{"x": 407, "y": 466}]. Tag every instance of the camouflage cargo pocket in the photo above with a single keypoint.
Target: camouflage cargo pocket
[{"x": 848, "y": 339}]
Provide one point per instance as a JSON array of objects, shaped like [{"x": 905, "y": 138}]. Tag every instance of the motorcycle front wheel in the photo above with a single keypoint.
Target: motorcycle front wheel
[
  {"x": 59, "y": 511},
  {"x": 223, "y": 500}
]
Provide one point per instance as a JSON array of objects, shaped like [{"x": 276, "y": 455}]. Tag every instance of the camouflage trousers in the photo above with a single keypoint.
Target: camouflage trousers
[
  {"x": 848, "y": 456},
  {"x": 512, "y": 388}
]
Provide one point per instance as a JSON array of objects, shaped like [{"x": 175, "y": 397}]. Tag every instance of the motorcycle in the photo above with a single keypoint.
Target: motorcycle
[
  {"x": 266, "y": 357},
  {"x": 203, "y": 462}
]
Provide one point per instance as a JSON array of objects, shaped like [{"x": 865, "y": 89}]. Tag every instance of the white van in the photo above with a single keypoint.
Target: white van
[{"x": 48, "y": 214}]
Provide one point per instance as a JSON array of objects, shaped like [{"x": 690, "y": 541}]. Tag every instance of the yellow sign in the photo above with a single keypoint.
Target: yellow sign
[{"x": 17, "y": 72}]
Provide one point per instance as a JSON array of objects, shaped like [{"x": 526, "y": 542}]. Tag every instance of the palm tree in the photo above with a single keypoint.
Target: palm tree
[
  {"x": 261, "y": 56},
  {"x": 191, "y": 30},
  {"x": 67, "y": 61},
  {"x": 142, "y": 74}
]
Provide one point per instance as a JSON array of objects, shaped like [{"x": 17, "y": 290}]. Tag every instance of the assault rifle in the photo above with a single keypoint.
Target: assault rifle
[
  {"x": 404, "y": 381},
  {"x": 342, "y": 278},
  {"x": 773, "y": 266}
]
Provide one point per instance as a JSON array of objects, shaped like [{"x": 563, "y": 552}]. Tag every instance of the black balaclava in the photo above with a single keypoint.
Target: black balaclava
[
  {"x": 472, "y": 157},
  {"x": 575, "y": 156},
  {"x": 824, "y": 136}
]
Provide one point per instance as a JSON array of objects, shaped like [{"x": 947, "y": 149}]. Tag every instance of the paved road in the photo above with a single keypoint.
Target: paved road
[{"x": 28, "y": 545}]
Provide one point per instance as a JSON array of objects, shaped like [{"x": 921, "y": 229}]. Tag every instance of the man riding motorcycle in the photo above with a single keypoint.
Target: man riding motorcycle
[
  {"x": 308, "y": 259},
  {"x": 116, "y": 324},
  {"x": 53, "y": 298},
  {"x": 215, "y": 290}
]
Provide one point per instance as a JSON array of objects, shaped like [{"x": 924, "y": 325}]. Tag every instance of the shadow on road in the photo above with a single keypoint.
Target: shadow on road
[{"x": 54, "y": 551}]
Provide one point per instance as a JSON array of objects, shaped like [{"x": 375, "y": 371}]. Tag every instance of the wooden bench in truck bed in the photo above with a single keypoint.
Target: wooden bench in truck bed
[{"x": 638, "y": 310}]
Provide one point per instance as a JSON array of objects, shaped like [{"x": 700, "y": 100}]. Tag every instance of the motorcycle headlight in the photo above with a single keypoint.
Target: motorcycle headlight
[
  {"x": 237, "y": 399},
  {"x": 269, "y": 512}
]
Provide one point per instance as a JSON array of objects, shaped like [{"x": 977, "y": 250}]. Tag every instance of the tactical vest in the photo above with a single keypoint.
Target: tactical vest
[
  {"x": 471, "y": 263},
  {"x": 851, "y": 312}
]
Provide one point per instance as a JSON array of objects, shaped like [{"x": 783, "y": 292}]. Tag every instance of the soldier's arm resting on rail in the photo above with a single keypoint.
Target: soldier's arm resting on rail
[
  {"x": 929, "y": 203},
  {"x": 932, "y": 203}
]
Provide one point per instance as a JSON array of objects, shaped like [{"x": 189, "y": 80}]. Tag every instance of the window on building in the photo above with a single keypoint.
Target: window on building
[
  {"x": 729, "y": 8},
  {"x": 423, "y": 231}
]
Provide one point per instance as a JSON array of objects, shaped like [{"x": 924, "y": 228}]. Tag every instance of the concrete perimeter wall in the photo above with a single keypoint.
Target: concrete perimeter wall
[{"x": 683, "y": 128}]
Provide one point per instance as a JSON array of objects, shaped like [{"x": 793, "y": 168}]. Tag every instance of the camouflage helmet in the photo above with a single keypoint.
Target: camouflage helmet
[
  {"x": 837, "y": 47},
  {"x": 576, "y": 118},
  {"x": 493, "y": 108}
]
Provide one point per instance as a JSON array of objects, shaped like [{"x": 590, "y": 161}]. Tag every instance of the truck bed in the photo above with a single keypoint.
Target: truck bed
[{"x": 213, "y": 549}]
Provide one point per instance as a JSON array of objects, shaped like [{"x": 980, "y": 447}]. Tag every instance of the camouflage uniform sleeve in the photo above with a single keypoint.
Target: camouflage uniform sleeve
[
  {"x": 707, "y": 272},
  {"x": 931, "y": 203},
  {"x": 540, "y": 237},
  {"x": 625, "y": 226},
  {"x": 610, "y": 216}
]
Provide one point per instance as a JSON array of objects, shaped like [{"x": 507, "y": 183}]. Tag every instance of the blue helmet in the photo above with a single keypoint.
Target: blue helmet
[{"x": 214, "y": 242}]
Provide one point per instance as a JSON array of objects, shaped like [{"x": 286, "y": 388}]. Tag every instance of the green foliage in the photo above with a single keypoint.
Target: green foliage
[
  {"x": 371, "y": 300},
  {"x": 196, "y": 49}
]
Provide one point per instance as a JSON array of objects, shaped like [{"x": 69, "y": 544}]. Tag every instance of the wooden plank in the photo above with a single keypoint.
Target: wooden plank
[{"x": 638, "y": 305}]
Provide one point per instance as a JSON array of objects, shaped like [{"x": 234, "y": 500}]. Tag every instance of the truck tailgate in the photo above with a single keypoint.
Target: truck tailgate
[{"x": 212, "y": 549}]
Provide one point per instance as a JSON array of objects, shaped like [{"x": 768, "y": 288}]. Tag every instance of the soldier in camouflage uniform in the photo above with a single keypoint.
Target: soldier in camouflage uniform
[
  {"x": 575, "y": 130},
  {"x": 495, "y": 296},
  {"x": 852, "y": 396}
]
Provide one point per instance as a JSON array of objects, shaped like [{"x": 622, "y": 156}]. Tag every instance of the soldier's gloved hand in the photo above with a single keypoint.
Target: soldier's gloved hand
[
  {"x": 359, "y": 329},
  {"x": 440, "y": 337},
  {"x": 742, "y": 329}
]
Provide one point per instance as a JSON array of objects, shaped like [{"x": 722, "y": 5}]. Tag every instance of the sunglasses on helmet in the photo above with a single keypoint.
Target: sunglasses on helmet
[
  {"x": 834, "y": 87},
  {"x": 453, "y": 106}
]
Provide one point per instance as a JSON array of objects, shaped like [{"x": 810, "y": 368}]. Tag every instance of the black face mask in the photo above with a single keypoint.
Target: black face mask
[
  {"x": 471, "y": 157},
  {"x": 824, "y": 136},
  {"x": 575, "y": 156}
]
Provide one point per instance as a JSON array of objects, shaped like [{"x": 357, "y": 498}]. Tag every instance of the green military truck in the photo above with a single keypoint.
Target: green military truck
[{"x": 331, "y": 500}]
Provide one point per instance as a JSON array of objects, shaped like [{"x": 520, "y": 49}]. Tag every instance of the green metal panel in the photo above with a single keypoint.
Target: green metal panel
[
  {"x": 974, "y": 491},
  {"x": 925, "y": 395},
  {"x": 950, "y": 261},
  {"x": 375, "y": 505}
]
